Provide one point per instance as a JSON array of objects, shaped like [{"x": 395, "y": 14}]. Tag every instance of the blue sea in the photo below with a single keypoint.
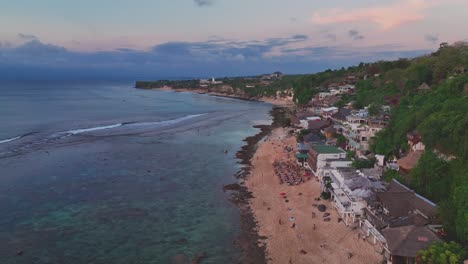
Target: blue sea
[{"x": 97, "y": 172}]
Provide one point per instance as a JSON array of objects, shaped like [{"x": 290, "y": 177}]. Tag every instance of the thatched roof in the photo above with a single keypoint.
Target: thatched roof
[
  {"x": 409, "y": 162},
  {"x": 424, "y": 87}
]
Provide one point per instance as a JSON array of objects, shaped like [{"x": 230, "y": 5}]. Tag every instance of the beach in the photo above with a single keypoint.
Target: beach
[
  {"x": 281, "y": 102},
  {"x": 306, "y": 238}
]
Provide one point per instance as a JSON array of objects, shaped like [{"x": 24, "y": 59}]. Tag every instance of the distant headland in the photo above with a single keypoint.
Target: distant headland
[{"x": 275, "y": 88}]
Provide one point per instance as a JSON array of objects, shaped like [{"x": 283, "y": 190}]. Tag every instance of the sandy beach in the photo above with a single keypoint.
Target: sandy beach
[
  {"x": 311, "y": 240},
  {"x": 277, "y": 102},
  {"x": 270, "y": 100}
]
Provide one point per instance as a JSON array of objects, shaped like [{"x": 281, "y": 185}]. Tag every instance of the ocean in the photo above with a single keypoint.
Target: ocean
[{"x": 96, "y": 172}]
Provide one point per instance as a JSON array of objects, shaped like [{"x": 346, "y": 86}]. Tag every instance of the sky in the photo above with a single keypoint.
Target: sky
[{"x": 155, "y": 39}]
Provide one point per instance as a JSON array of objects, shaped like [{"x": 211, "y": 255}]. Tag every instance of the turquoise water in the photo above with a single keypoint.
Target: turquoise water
[{"x": 104, "y": 173}]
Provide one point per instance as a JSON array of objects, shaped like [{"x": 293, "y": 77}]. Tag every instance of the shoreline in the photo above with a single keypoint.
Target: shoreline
[
  {"x": 247, "y": 241},
  {"x": 295, "y": 221},
  {"x": 268, "y": 100}
]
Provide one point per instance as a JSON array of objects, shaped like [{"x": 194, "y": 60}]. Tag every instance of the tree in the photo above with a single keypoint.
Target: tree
[
  {"x": 364, "y": 163},
  {"x": 389, "y": 175},
  {"x": 374, "y": 109},
  {"x": 441, "y": 253}
]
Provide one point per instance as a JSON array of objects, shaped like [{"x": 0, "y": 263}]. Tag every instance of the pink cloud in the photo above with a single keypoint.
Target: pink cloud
[{"x": 387, "y": 17}]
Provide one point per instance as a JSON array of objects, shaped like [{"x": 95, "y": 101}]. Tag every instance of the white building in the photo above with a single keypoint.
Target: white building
[
  {"x": 349, "y": 189},
  {"x": 359, "y": 129},
  {"x": 322, "y": 157},
  {"x": 304, "y": 123}
]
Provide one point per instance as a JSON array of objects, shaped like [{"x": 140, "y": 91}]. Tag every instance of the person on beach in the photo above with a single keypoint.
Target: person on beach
[{"x": 313, "y": 227}]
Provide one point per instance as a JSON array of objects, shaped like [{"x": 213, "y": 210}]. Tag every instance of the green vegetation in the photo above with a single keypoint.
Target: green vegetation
[
  {"x": 307, "y": 86},
  {"x": 389, "y": 175},
  {"x": 428, "y": 94},
  {"x": 440, "y": 116},
  {"x": 325, "y": 195},
  {"x": 363, "y": 163},
  {"x": 301, "y": 134},
  {"x": 442, "y": 253},
  {"x": 232, "y": 85}
]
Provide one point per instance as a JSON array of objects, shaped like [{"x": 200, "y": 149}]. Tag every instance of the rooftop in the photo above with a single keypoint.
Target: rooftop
[
  {"x": 324, "y": 149},
  {"x": 400, "y": 201},
  {"x": 408, "y": 240}
]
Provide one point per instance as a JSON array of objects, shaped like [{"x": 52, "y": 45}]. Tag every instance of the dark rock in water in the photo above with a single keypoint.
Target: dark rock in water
[
  {"x": 19, "y": 252},
  {"x": 231, "y": 187},
  {"x": 326, "y": 214},
  {"x": 179, "y": 259},
  {"x": 198, "y": 258},
  {"x": 322, "y": 208},
  {"x": 181, "y": 241}
]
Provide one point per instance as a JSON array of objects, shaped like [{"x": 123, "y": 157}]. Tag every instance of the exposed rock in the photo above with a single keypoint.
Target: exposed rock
[
  {"x": 179, "y": 259},
  {"x": 198, "y": 258},
  {"x": 231, "y": 187}
]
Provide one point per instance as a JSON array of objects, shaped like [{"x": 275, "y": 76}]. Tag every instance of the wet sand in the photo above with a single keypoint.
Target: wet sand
[{"x": 329, "y": 242}]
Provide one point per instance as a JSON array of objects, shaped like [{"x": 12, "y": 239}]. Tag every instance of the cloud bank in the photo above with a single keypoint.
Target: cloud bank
[{"x": 213, "y": 57}]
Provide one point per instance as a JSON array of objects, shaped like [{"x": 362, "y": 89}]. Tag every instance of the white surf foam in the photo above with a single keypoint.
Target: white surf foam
[
  {"x": 160, "y": 123},
  {"x": 9, "y": 140}
]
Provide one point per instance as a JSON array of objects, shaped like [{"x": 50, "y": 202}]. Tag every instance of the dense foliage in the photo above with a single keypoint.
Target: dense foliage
[
  {"x": 309, "y": 85},
  {"x": 363, "y": 163},
  {"x": 440, "y": 115},
  {"x": 441, "y": 253}
]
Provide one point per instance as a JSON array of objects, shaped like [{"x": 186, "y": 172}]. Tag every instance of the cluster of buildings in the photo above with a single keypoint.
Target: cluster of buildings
[
  {"x": 267, "y": 79},
  {"x": 359, "y": 128},
  {"x": 250, "y": 82},
  {"x": 356, "y": 126},
  {"x": 390, "y": 216},
  {"x": 204, "y": 83}
]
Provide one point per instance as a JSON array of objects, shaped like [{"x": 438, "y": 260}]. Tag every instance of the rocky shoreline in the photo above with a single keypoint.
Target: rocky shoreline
[{"x": 248, "y": 240}]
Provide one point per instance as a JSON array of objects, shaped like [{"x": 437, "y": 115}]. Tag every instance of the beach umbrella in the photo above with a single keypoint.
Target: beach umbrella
[{"x": 322, "y": 208}]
